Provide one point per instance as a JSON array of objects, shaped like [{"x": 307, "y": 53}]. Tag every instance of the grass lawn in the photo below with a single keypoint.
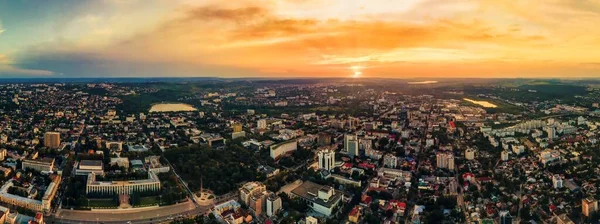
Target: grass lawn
[
  {"x": 102, "y": 203},
  {"x": 149, "y": 201}
]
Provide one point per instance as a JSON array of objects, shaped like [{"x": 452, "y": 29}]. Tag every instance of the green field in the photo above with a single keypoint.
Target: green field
[
  {"x": 102, "y": 203},
  {"x": 149, "y": 201}
]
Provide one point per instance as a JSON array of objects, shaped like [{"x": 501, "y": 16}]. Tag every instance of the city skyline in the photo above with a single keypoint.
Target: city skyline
[{"x": 295, "y": 38}]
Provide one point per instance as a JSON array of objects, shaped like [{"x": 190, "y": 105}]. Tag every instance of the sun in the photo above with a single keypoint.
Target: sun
[{"x": 356, "y": 71}]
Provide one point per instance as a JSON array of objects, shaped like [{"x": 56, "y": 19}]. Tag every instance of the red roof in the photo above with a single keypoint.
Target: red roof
[
  {"x": 401, "y": 205},
  {"x": 366, "y": 199},
  {"x": 366, "y": 165},
  {"x": 354, "y": 211},
  {"x": 484, "y": 179},
  {"x": 347, "y": 165},
  {"x": 452, "y": 125}
]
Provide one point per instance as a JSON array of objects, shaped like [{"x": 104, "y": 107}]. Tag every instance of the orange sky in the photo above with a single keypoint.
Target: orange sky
[{"x": 322, "y": 38}]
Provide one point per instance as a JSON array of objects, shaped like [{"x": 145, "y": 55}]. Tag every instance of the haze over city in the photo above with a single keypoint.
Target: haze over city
[{"x": 300, "y": 38}]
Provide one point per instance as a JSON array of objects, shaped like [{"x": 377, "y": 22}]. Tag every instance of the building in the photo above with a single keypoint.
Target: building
[
  {"x": 321, "y": 199},
  {"x": 277, "y": 150},
  {"x": 3, "y": 153},
  {"x": 390, "y": 161},
  {"x": 236, "y": 135},
  {"x": 43, "y": 164},
  {"x": 52, "y": 140},
  {"x": 155, "y": 166},
  {"x": 548, "y": 156},
  {"x": 324, "y": 139},
  {"x": 311, "y": 220},
  {"x": 504, "y": 155},
  {"x": 557, "y": 181},
  {"x": 230, "y": 212},
  {"x": 354, "y": 214},
  {"x": 122, "y": 187},
  {"x": 114, "y": 146},
  {"x": 257, "y": 202},
  {"x": 30, "y": 203},
  {"x": 326, "y": 159},
  {"x": 250, "y": 188},
  {"x": 120, "y": 162},
  {"x": 237, "y": 127},
  {"x": 551, "y": 132},
  {"x": 351, "y": 145},
  {"x": 4, "y": 212},
  {"x": 505, "y": 217},
  {"x": 273, "y": 204},
  {"x": 470, "y": 154},
  {"x": 589, "y": 206},
  {"x": 445, "y": 160},
  {"x": 85, "y": 167},
  {"x": 261, "y": 124}
]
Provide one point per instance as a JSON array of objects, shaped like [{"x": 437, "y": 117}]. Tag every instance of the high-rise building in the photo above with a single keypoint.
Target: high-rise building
[
  {"x": 470, "y": 154},
  {"x": 250, "y": 188},
  {"x": 237, "y": 127},
  {"x": 326, "y": 159},
  {"x": 261, "y": 124},
  {"x": 324, "y": 139},
  {"x": 351, "y": 145},
  {"x": 52, "y": 140},
  {"x": 505, "y": 217},
  {"x": 504, "y": 155},
  {"x": 273, "y": 204},
  {"x": 551, "y": 132},
  {"x": 557, "y": 181},
  {"x": 589, "y": 206},
  {"x": 445, "y": 160},
  {"x": 390, "y": 161}
]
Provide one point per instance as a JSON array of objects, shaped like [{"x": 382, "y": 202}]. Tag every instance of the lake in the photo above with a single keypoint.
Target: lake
[
  {"x": 171, "y": 107},
  {"x": 423, "y": 82},
  {"x": 481, "y": 103}
]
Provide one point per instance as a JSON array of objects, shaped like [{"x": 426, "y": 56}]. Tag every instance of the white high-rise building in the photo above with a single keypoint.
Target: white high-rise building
[
  {"x": 557, "y": 181},
  {"x": 351, "y": 145},
  {"x": 261, "y": 124},
  {"x": 273, "y": 204},
  {"x": 326, "y": 159}
]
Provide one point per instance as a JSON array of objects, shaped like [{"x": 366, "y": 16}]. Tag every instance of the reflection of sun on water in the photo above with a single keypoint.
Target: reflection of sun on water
[{"x": 357, "y": 73}]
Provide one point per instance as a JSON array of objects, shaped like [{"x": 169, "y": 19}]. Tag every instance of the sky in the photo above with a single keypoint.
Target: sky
[{"x": 300, "y": 38}]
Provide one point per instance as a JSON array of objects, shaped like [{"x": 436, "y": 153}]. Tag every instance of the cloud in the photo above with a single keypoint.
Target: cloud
[
  {"x": 216, "y": 13},
  {"x": 8, "y": 71},
  {"x": 295, "y": 37}
]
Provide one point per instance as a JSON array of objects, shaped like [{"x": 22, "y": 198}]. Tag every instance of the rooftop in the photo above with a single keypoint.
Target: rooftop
[
  {"x": 90, "y": 162},
  {"x": 310, "y": 191}
]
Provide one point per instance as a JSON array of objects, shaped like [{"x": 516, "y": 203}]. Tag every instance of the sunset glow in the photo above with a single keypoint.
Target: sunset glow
[{"x": 292, "y": 38}]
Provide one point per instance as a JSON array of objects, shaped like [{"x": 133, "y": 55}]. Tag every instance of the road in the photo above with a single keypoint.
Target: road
[{"x": 146, "y": 216}]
